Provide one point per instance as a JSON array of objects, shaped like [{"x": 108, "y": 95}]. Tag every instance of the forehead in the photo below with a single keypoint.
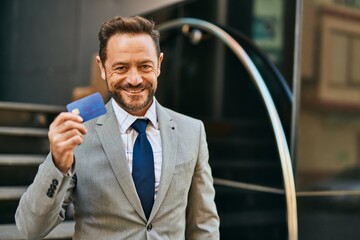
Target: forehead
[{"x": 131, "y": 44}]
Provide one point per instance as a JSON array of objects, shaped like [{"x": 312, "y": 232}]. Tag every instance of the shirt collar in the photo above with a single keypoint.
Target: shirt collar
[{"x": 125, "y": 119}]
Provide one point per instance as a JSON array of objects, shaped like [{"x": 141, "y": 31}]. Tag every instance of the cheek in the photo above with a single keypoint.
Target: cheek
[
  {"x": 156, "y": 73},
  {"x": 152, "y": 78},
  {"x": 110, "y": 74},
  {"x": 113, "y": 79}
]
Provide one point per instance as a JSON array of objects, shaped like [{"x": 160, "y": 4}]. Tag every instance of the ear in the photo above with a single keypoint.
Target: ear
[
  {"x": 101, "y": 67},
  {"x": 159, "y": 63}
]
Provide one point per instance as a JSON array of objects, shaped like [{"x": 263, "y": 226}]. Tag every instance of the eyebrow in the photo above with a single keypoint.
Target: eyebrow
[
  {"x": 119, "y": 63},
  {"x": 146, "y": 61},
  {"x": 127, "y": 63}
]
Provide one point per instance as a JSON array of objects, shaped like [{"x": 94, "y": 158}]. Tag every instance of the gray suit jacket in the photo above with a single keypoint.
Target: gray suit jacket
[{"x": 104, "y": 196}]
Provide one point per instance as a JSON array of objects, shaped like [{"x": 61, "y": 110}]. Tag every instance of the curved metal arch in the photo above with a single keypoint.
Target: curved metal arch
[{"x": 283, "y": 148}]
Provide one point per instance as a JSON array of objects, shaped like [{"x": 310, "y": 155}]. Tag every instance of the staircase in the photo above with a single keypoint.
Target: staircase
[
  {"x": 243, "y": 150},
  {"x": 24, "y": 145}
]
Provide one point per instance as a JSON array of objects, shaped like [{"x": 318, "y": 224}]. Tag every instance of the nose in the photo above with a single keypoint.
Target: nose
[{"x": 134, "y": 78}]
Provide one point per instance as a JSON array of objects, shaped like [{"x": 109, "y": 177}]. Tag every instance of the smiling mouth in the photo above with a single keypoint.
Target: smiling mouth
[
  {"x": 130, "y": 89},
  {"x": 134, "y": 91}
]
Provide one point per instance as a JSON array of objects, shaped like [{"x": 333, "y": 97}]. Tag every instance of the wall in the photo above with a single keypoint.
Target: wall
[{"x": 47, "y": 46}]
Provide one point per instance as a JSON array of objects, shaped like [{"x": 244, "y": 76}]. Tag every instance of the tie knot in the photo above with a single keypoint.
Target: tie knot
[{"x": 140, "y": 125}]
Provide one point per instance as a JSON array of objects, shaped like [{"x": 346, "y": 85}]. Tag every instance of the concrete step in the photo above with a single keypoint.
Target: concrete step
[
  {"x": 17, "y": 160},
  {"x": 229, "y": 128},
  {"x": 17, "y": 175},
  {"x": 23, "y": 140},
  {"x": 30, "y": 107},
  {"x": 23, "y": 132},
  {"x": 64, "y": 231},
  {"x": 28, "y": 115},
  {"x": 11, "y": 193},
  {"x": 9, "y": 200},
  {"x": 242, "y": 149},
  {"x": 261, "y": 171},
  {"x": 247, "y": 212},
  {"x": 19, "y": 169}
]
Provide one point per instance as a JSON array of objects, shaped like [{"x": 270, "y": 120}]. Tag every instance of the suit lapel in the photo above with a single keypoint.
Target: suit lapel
[
  {"x": 169, "y": 140},
  {"x": 107, "y": 130}
]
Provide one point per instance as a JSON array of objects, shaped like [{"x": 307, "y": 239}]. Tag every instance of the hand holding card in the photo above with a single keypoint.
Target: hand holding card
[{"x": 88, "y": 107}]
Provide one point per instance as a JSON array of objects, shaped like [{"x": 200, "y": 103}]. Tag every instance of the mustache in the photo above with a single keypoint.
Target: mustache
[{"x": 128, "y": 86}]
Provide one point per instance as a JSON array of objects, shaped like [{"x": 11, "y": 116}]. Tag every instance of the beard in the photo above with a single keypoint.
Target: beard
[{"x": 132, "y": 103}]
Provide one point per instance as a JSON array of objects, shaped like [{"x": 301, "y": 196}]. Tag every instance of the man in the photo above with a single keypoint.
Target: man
[{"x": 97, "y": 165}]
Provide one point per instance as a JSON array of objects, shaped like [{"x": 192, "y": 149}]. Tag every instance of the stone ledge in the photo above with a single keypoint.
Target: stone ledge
[{"x": 64, "y": 231}]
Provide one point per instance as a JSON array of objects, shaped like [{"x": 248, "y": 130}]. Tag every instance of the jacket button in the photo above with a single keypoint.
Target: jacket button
[
  {"x": 55, "y": 182},
  {"x": 53, "y": 187},
  {"x": 50, "y": 193},
  {"x": 149, "y": 227}
]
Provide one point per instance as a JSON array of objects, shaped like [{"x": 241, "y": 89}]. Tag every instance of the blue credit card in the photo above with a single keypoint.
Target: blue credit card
[{"x": 88, "y": 107}]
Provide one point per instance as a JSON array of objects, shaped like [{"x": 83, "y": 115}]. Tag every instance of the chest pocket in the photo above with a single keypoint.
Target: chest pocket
[{"x": 184, "y": 167}]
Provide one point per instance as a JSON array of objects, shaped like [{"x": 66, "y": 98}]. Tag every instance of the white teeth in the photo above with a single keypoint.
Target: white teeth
[{"x": 134, "y": 91}]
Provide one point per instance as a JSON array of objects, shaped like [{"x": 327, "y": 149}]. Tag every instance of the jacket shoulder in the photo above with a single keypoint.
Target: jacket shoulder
[{"x": 180, "y": 117}]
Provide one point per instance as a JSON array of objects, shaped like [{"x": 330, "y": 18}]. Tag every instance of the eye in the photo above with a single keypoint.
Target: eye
[
  {"x": 146, "y": 68},
  {"x": 120, "y": 68}
]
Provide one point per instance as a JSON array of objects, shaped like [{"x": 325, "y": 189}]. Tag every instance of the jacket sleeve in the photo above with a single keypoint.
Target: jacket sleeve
[
  {"x": 42, "y": 206},
  {"x": 202, "y": 220}
]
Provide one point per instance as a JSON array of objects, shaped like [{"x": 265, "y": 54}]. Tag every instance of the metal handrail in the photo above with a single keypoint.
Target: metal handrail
[{"x": 283, "y": 149}]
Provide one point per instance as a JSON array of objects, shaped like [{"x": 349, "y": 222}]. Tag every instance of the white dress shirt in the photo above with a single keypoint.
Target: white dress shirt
[{"x": 128, "y": 136}]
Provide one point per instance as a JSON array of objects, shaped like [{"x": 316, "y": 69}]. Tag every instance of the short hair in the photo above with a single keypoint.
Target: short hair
[{"x": 126, "y": 25}]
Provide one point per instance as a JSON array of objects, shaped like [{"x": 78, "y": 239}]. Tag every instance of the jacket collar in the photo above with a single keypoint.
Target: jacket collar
[{"x": 109, "y": 134}]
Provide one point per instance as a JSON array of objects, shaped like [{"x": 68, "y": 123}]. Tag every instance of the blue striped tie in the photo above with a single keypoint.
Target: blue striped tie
[{"x": 143, "y": 167}]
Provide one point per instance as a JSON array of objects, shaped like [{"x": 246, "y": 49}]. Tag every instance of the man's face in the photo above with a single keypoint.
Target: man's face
[{"x": 131, "y": 71}]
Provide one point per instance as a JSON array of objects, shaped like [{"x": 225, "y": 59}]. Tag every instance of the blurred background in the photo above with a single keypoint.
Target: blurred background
[{"x": 307, "y": 53}]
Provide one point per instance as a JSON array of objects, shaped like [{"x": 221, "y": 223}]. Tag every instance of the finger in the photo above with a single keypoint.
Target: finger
[
  {"x": 69, "y": 125},
  {"x": 59, "y": 148},
  {"x": 69, "y": 144},
  {"x": 64, "y": 136},
  {"x": 64, "y": 121},
  {"x": 63, "y": 153},
  {"x": 66, "y": 116}
]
